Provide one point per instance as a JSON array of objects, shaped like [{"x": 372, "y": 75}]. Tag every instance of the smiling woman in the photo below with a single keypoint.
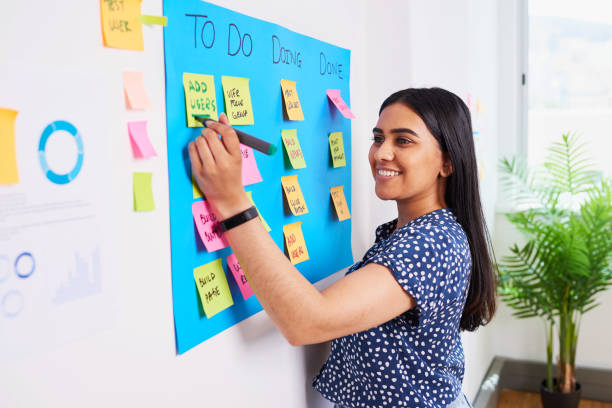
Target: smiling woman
[{"x": 427, "y": 276}]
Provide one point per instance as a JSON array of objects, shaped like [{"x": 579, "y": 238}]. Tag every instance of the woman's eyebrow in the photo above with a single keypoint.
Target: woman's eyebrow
[{"x": 398, "y": 130}]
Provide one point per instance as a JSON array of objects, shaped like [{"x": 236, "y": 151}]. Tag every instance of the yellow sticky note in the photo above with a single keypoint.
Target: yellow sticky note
[
  {"x": 237, "y": 100},
  {"x": 293, "y": 149},
  {"x": 8, "y": 151},
  {"x": 199, "y": 97},
  {"x": 342, "y": 210},
  {"x": 296, "y": 245},
  {"x": 121, "y": 27},
  {"x": 265, "y": 224},
  {"x": 196, "y": 190},
  {"x": 295, "y": 199},
  {"x": 143, "y": 192},
  {"x": 292, "y": 102},
  {"x": 336, "y": 147},
  {"x": 212, "y": 286}
]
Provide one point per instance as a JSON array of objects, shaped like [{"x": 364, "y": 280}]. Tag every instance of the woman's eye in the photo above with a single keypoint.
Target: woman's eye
[
  {"x": 378, "y": 139},
  {"x": 403, "y": 140}
]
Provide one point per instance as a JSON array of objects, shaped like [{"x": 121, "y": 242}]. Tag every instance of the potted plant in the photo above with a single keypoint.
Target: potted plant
[{"x": 564, "y": 212}]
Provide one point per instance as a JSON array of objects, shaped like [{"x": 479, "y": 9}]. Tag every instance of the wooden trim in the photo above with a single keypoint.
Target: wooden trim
[{"x": 525, "y": 375}]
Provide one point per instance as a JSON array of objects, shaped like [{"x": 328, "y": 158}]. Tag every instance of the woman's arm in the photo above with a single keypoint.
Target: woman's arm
[{"x": 364, "y": 299}]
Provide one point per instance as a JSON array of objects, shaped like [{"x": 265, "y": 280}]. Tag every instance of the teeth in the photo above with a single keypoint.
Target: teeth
[{"x": 388, "y": 173}]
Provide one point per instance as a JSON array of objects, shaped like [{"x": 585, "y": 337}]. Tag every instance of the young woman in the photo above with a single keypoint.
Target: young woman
[{"x": 428, "y": 275}]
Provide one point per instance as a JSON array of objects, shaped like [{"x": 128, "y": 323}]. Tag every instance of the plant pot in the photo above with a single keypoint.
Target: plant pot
[{"x": 551, "y": 399}]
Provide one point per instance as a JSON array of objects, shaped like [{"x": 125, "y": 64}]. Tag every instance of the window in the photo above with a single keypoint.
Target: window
[{"x": 570, "y": 77}]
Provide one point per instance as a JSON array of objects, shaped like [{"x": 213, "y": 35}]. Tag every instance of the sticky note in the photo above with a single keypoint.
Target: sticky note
[
  {"x": 121, "y": 27},
  {"x": 8, "y": 150},
  {"x": 141, "y": 145},
  {"x": 294, "y": 196},
  {"x": 199, "y": 97},
  {"x": 296, "y": 245},
  {"x": 136, "y": 97},
  {"x": 250, "y": 172},
  {"x": 337, "y": 194},
  {"x": 336, "y": 147},
  {"x": 143, "y": 192},
  {"x": 293, "y": 149},
  {"x": 213, "y": 289},
  {"x": 241, "y": 280},
  {"x": 196, "y": 190},
  {"x": 208, "y": 226},
  {"x": 265, "y": 224},
  {"x": 292, "y": 102},
  {"x": 237, "y": 100},
  {"x": 334, "y": 95},
  {"x": 153, "y": 20}
]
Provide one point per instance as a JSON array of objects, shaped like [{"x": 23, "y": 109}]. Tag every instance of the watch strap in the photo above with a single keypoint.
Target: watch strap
[{"x": 238, "y": 219}]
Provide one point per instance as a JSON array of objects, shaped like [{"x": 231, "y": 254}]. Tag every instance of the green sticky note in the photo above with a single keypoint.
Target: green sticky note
[
  {"x": 213, "y": 289},
  {"x": 265, "y": 224},
  {"x": 336, "y": 147},
  {"x": 293, "y": 149},
  {"x": 237, "y": 100},
  {"x": 153, "y": 20},
  {"x": 143, "y": 192},
  {"x": 199, "y": 97}
]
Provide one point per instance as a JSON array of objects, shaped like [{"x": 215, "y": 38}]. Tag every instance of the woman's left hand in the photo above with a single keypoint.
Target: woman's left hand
[{"x": 216, "y": 165}]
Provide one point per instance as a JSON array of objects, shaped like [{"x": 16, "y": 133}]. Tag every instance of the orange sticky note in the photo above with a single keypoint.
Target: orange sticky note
[
  {"x": 135, "y": 95},
  {"x": 292, "y": 101},
  {"x": 296, "y": 245},
  {"x": 8, "y": 151},
  {"x": 212, "y": 286},
  {"x": 121, "y": 27},
  {"x": 294, "y": 196},
  {"x": 337, "y": 194}
]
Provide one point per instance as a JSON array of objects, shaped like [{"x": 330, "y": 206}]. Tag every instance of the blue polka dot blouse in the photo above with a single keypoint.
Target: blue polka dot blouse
[{"x": 416, "y": 359}]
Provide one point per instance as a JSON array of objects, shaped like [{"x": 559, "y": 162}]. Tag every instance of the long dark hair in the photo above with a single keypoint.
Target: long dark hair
[{"x": 448, "y": 120}]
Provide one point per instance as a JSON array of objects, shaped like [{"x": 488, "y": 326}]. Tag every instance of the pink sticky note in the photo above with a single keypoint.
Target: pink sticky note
[
  {"x": 250, "y": 172},
  {"x": 334, "y": 95},
  {"x": 135, "y": 95},
  {"x": 141, "y": 145},
  {"x": 208, "y": 226},
  {"x": 234, "y": 266}
]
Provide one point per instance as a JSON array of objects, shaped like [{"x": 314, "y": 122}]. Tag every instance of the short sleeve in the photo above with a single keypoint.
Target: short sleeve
[{"x": 416, "y": 262}]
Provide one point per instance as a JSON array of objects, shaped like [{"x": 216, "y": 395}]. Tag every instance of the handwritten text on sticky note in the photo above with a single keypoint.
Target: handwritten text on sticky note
[
  {"x": 294, "y": 195},
  {"x": 334, "y": 95},
  {"x": 8, "y": 151},
  {"x": 293, "y": 149},
  {"x": 250, "y": 172},
  {"x": 121, "y": 27},
  {"x": 292, "y": 101},
  {"x": 336, "y": 147},
  {"x": 296, "y": 245},
  {"x": 213, "y": 289},
  {"x": 199, "y": 97},
  {"x": 237, "y": 100},
  {"x": 136, "y": 97},
  {"x": 208, "y": 226},
  {"x": 342, "y": 210},
  {"x": 141, "y": 145},
  {"x": 238, "y": 273}
]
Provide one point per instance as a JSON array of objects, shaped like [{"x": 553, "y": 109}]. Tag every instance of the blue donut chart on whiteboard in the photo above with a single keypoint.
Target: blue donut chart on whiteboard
[{"x": 46, "y": 134}]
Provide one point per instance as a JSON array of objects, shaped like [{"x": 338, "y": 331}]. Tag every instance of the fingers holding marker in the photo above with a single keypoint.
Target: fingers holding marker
[
  {"x": 228, "y": 134},
  {"x": 216, "y": 147}
]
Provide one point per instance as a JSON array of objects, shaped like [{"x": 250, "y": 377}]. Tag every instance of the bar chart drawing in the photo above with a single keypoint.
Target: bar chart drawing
[{"x": 82, "y": 280}]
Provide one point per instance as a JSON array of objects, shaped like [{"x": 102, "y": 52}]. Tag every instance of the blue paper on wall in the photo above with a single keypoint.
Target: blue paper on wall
[{"x": 205, "y": 39}]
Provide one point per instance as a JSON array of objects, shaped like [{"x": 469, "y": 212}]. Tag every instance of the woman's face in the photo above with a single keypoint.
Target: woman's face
[{"x": 405, "y": 158}]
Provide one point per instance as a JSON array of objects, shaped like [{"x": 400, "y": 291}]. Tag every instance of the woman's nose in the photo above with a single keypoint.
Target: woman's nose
[{"x": 384, "y": 152}]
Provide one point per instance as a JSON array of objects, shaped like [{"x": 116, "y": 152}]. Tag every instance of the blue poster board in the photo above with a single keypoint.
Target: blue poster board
[{"x": 206, "y": 39}]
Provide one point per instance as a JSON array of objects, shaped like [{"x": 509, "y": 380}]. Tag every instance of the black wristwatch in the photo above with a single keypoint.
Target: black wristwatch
[{"x": 238, "y": 219}]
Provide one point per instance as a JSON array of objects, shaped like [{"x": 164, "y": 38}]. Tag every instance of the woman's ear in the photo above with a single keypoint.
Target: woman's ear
[{"x": 447, "y": 165}]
